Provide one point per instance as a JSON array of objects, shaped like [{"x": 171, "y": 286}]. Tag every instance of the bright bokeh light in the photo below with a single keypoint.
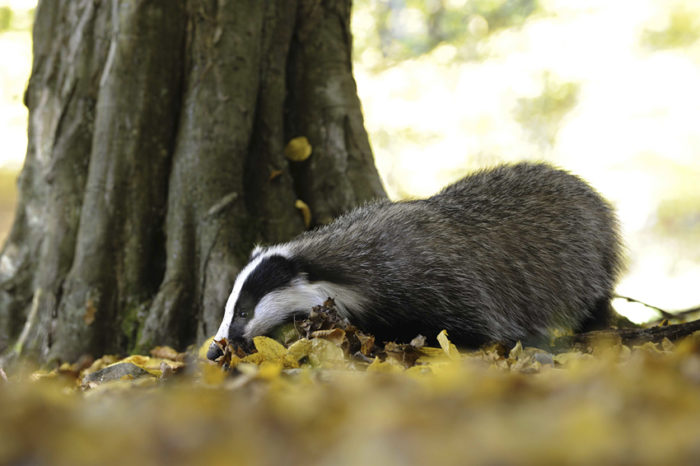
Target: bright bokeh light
[
  {"x": 633, "y": 130},
  {"x": 15, "y": 66}
]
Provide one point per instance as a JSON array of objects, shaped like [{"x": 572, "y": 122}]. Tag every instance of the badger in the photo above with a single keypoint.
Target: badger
[{"x": 504, "y": 254}]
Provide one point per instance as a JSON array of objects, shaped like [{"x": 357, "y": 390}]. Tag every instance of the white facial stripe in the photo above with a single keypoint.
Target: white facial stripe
[
  {"x": 348, "y": 300},
  {"x": 240, "y": 280},
  {"x": 257, "y": 250},
  {"x": 275, "y": 307},
  {"x": 228, "y": 316}
]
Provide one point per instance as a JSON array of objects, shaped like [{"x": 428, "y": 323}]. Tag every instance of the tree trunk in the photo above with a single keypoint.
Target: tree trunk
[{"x": 156, "y": 160}]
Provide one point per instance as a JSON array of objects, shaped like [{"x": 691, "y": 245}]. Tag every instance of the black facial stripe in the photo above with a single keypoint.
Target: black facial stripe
[{"x": 272, "y": 273}]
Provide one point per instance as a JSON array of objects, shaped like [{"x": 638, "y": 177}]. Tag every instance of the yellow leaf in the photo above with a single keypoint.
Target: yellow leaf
[
  {"x": 248, "y": 369},
  {"x": 255, "y": 358},
  {"x": 269, "y": 349},
  {"x": 432, "y": 352},
  {"x": 298, "y": 149},
  {"x": 366, "y": 343},
  {"x": 299, "y": 349},
  {"x": 274, "y": 174},
  {"x": 324, "y": 353},
  {"x": 138, "y": 360},
  {"x": 516, "y": 351},
  {"x": 43, "y": 374},
  {"x": 164, "y": 352},
  {"x": 289, "y": 362},
  {"x": 566, "y": 358},
  {"x": 431, "y": 355},
  {"x": 386, "y": 366},
  {"x": 667, "y": 345},
  {"x": 419, "y": 371},
  {"x": 649, "y": 347},
  {"x": 212, "y": 374},
  {"x": 202, "y": 352},
  {"x": 151, "y": 365},
  {"x": 447, "y": 346},
  {"x": 305, "y": 211},
  {"x": 334, "y": 335},
  {"x": 285, "y": 333},
  {"x": 269, "y": 370}
]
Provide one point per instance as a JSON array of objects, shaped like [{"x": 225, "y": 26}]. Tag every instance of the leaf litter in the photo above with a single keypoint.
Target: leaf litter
[{"x": 324, "y": 392}]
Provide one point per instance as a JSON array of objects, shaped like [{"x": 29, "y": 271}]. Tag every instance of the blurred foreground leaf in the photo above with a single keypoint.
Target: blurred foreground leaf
[{"x": 321, "y": 400}]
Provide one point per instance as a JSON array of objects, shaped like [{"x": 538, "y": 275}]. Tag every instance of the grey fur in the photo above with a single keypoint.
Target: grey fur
[{"x": 504, "y": 254}]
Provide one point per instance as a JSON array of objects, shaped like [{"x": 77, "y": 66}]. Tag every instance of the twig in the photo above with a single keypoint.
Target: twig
[
  {"x": 665, "y": 314},
  {"x": 3, "y": 376},
  {"x": 31, "y": 321},
  {"x": 682, "y": 313},
  {"x": 631, "y": 336}
]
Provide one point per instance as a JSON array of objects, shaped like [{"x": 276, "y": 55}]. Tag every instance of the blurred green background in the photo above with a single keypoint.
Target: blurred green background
[{"x": 607, "y": 89}]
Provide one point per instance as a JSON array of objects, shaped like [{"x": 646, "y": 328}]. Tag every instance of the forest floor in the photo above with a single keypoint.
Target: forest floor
[{"x": 335, "y": 397}]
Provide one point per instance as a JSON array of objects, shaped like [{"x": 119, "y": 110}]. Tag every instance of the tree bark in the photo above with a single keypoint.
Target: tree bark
[{"x": 156, "y": 161}]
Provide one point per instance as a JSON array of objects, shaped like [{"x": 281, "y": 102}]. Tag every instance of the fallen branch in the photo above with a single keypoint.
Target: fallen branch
[
  {"x": 664, "y": 313},
  {"x": 679, "y": 314},
  {"x": 630, "y": 336}
]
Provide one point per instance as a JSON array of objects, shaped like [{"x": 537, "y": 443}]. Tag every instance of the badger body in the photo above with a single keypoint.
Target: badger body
[{"x": 504, "y": 254}]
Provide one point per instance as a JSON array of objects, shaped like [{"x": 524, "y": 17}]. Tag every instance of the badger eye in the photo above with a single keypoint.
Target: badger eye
[{"x": 244, "y": 306}]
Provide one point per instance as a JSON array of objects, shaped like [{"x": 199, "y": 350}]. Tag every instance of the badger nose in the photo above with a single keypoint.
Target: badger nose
[{"x": 214, "y": 352}]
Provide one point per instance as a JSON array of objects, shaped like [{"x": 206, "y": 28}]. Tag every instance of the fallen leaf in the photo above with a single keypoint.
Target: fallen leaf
[
  {"x": 274, "y": 174},
  {"x": 269, "y": 370},
  {"x": 299, "y": 349},
  {"x": 305, "y": 211},
  {"x": 212, "y": 374},
  {"x": 447, "y": 346},
  {"x": 366, "y": 343},
  {"x": 384, "y": 366},
  {"x": 418, "y": 341},
  {"x": 515, "y": 352},
  {"x": 204, "y": 348},
  {"x": 335, "y": 335},
  {"x": 325, "y": 354},
  {"x": 298, "y": 149},
  {"x": 269, "y": 349},
  {"x": 286, "y": 333},
  {"x": 164, "y": 352},
  {"x": 565, "y": 359},
  {"x": 255, "y": 358}
]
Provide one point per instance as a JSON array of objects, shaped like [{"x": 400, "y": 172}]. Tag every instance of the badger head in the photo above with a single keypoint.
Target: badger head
[{"x": 270, "y": 290}]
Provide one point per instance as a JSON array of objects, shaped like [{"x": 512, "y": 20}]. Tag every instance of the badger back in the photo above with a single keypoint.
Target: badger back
[{"x": 502, "y": 254}]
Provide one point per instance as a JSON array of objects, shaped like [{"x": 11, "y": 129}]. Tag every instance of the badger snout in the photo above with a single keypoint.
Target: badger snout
[
  {"x": 244, "y": 344},
  {"x": 214, "y": 352}
]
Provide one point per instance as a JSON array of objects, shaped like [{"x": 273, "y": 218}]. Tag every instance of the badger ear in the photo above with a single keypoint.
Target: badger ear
[{"x": 257, "y": 250}]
